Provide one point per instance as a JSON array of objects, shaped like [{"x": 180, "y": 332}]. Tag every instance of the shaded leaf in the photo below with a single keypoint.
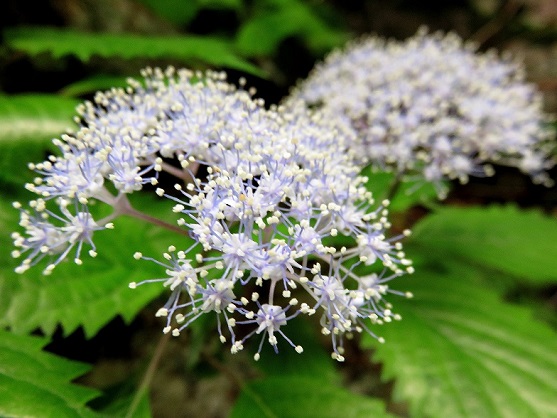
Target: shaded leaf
[
  {"x": 37, "y": 384},
  {"x": 27, "y": 125},
  {"x": 96, "y": 83},
  {"x": 176, "y": 12},
  {"x": 117, "y": 401},
  {"x": 303, "y": 397},
  {"x": 190, "y": 49},
  {"x": 513, "y": 241},
  {"x": 460, "y": 352},
  {"x": 313, "y": 361},
  {"x": 182, "y": 13}
]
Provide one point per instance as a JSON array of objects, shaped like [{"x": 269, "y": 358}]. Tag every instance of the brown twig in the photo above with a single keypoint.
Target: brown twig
[{"x": 509, "y": 10}]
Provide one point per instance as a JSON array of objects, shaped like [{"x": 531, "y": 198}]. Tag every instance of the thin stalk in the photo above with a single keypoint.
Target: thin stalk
[
  {"x": 509, "y": 10},
  {"x": 149, "y": 373},
  {"x": 394, "y": 187},
  {"x": 123, "y": 207},
  {"x": 187, "y": 175}
]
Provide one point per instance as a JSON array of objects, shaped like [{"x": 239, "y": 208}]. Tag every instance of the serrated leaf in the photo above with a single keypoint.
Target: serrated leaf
[
  {"x": 303, "y": 397},
  {"x": 27, "y": 125},
  {"x": 460, "y": 352},
  {"x": 89, "y": 295},
  {"x": 505, "y": 238},
  {"x": 262, "y": 34},
  {"x": 37, "y": 384},
  {"x": 189, "y": 49}
]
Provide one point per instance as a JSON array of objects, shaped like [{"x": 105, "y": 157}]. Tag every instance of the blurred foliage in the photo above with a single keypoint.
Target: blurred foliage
[{"x": 29, "y": 122}]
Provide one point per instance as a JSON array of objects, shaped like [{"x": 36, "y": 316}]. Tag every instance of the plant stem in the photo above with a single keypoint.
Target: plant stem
[
  {"x": 123, "y": 207},
  {"x": 509, "y": 10},
  {"x": 149, "y": 373},
  {"x": 395, "y": 185}
]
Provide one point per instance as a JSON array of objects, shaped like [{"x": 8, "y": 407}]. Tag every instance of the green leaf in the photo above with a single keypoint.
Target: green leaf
[
  {"x": 94, "y": 293},
  {"x": 183, "y": 12},
  {"x": 221, "y": 4},
  {"x": 93, "y": 84},
  {"x": 460, "y": 352},
  {"x": 27, "y": 125},
  {"x": 407, "y": 195},
  {"x": 119, "y": 401},
  {"x": 516, "y": 242},
  {"x": 303, "y": 397},
  {"x": 190, "y": 49},
  {"x": 176, "y": 12},
  {"x": 263, "y": 34},
  {"x": 313, "y": 361},
  {"x": 37, "y": 384}
]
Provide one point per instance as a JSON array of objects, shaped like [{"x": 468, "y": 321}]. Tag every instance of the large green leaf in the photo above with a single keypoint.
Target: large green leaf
[
  {"x": 92, "y": 294},
  {"x": 303, "y": 397},
  {"x": 37, "y": 384},
  {"x": 189, "y": 49},
  {"x": 27, "y": 125},
  {"x": 504, "y": 238},
  {"x": 460, "y": 352},
  {"x": 262, "y": 34}
]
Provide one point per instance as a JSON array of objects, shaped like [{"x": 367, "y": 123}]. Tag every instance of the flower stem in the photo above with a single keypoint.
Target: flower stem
[
  {"x": 123, "y": 207},
  {"x": 394, "y": 187},
  {"x": 149, "y": 373}
]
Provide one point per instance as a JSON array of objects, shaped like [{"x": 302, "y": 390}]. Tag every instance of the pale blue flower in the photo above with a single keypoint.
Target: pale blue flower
[{"x": 432, "y": 107}]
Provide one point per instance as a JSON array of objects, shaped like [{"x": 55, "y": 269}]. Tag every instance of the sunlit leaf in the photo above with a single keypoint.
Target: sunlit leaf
[
  {"x": 37, "y": 384},
  {"x": 27, "y": 125},
  {"x": 504, "y": 238},
  {"x": 190, "y": 49}
]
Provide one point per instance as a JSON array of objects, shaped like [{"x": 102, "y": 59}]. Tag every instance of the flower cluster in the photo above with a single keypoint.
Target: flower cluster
[
  {"x": 281, "y": 223},
  {"x": 432, "y": 107}
]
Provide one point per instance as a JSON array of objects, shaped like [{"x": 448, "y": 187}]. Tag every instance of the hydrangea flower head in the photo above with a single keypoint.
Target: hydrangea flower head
[
  {"x": 261, "y": 196},
  {"x": 433, "y": 106}
]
